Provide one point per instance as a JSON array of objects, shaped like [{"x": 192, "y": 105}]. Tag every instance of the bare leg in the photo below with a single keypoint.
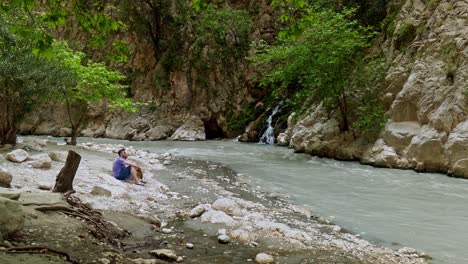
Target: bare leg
[
  {"x": 139, "y": 174},
  {"x": 133, "y": 174}
]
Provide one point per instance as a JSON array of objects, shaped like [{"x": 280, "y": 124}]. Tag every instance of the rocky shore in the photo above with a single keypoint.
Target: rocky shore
[{"x": 189, "y": 211}]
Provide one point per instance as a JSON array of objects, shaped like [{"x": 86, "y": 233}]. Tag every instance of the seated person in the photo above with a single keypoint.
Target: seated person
[{"x": 126, "y": 170}]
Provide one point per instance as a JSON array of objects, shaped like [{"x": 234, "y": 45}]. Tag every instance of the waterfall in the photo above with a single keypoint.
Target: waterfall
[{"x": 268, "y": 136}]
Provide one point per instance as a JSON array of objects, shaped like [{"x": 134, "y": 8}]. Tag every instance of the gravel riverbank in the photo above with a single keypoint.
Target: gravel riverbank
[{"x": 189, "y": 210}]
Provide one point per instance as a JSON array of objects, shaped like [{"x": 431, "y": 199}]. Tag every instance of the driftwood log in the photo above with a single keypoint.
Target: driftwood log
[{"x": 64, "y": 181}]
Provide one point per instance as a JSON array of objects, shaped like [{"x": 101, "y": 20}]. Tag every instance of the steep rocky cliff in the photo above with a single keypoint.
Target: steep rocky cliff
[
  {"x": 426, "y": 88},
  {"x": 199, "y": 91},
  {"x": 188, "y": 67}
]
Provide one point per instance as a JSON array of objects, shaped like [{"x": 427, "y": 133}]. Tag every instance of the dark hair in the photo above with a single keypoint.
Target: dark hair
[{"x": 120, "y": 151}]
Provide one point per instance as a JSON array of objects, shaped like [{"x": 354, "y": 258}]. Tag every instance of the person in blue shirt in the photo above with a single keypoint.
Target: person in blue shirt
[{"x": 126, "y": 170}]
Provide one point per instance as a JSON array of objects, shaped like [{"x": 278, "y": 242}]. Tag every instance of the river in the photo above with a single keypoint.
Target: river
[{"x": 390, "y": 207}]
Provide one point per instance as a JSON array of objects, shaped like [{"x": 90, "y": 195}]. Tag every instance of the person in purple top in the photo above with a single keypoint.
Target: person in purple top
[{"x": 124, "y": 169}]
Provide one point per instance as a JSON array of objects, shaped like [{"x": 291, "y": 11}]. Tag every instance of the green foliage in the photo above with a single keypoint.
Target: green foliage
[
  {"x": 222, "y": 37},
  {"x": 93, "y": 81},
  {"x": 238, "y": 121},
  {"x": 365, "y": 88},
  {"x": 318, "y": 61},
  {"x": 44, "y": 17},
  {"x": 26, "y": 80},
  {"x": 322, "y": 64}
]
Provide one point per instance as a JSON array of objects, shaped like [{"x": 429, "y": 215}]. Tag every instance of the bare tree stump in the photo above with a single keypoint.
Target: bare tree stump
[{"x": 64, "y": 181}]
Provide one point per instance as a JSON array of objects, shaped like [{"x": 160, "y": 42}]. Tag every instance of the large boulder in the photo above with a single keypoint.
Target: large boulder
[
  {"x": 284, "y": 138},
  {"x": 426, "y": 150},
  {"x": 456, "y": 146},
  {"x": 5, "y": 178},
  {"x": 60, "y": 156},
  {"x": 199, "y": 210},
  {"x": 192, "y": 130},
  {"x": 228, "y": 206},
  {"x": 383, "y": 155},
  {"x": 17, "y": 155},
  {"x": 39, "y": 144},
  {"x": 263, "y": 258},
  {"x": 159, "y": 132},
  {"x": 164, "y": 254},
  {"x": 217, "y": 217},
  {"x": 398, "y": 135},
  {"x": 11, "y": 217},
  {"x": 40, "y": 161},
  {"x": 99, "y": 191}
]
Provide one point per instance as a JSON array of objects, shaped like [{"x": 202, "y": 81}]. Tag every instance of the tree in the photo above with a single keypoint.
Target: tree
[
  {"x": 93, "y": 83},
  {"x": 45, "y": 18},
  {"x": 315, "y": 60},
  {"x": 30, "y": 72},
  {"x": 25, "y": 79}
]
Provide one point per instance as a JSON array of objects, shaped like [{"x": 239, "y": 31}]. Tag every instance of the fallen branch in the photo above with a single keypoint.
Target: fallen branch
[
  {"x": 39, "y": 250},
  {"x": 55, "y": 208}
]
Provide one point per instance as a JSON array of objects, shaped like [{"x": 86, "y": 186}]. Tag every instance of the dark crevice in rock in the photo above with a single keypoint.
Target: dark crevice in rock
[{"x": 213, "y": 130}]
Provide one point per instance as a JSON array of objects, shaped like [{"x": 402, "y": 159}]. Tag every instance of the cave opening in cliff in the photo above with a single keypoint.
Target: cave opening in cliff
[{"x": 213, "y": 130}]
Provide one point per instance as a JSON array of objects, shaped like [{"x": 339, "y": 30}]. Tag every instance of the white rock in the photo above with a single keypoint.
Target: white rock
[
  {"x": 263, "y": 258},
  {"x": 189, "y": 246},
  {"x": 45, "y": 162},
  {"x": 228, "y": 206},
  {"x": 164, "y": 254},
  {"x": 11, "y": 218},
  {"x": 193, "y": 129},
  {"x": 407, "y": 251},
  {"x": 224, "y": 239},
  {"x": 99, "y": 191},
  {"x": 145, "y": 261},
  {"x": 166, "y": 230},
  {"x": 17, "y": 155},
  {"x": 5, "y": 178},
  {"x": 242, "y": 235},
  {"x": 221, "y": 231},
  {"x": 217, "y": 217},
  {"x": 60, "y": 156}
]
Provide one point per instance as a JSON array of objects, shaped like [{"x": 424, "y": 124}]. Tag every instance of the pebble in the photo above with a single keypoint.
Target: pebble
[
  {"x": 221, "y": 232},
  {"x": 180, "y": 259},
  {"x": 189, "y": 245},
  {"x": 7, "y": 243},
  {"x": 224, "y": 239},
  {"x": 263, "y": 258},
  {"x": 167, "y": 230},
  {"x": 253, "y": 244},
  {"x": 44, "y": 187}
]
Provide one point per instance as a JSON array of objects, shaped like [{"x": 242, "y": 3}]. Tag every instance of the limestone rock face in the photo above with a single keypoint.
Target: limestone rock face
[
  {"x": 11, "y": 218},
  {"x": 159, "y": 132},
  {"x": 383, "y": 155},
  {"x": 192, "y": 130},
  {"x": 285, "y": 137},
  {"x": 425, "y": 97},
  {"x": 17, "y": 155},
  {"x": 5, "y": 178}
]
